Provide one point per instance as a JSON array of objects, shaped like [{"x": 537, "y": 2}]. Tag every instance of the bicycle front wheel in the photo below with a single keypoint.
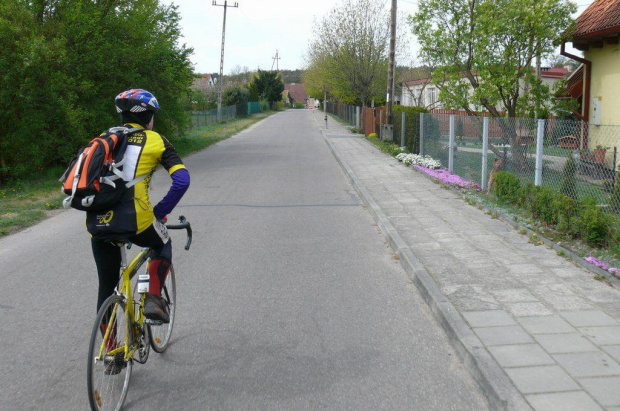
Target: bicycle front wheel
[
  {"x": 109, "y": 369},
  {"x": 160, "y": 334}
]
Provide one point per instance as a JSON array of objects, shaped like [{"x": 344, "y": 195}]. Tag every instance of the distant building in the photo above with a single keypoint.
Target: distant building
[
  {"x": 296, "y": 93},
  {"x": 423, "y": 93},
  {"x": 203, "y": 82}
]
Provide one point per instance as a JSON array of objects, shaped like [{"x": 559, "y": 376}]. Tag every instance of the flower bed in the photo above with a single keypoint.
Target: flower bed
[
  {"x": 447, "y": 177},
  {"x": 424, "y": 161},
  {"x": 601, "y": 264},
  {"x": 432, "y": 167}
]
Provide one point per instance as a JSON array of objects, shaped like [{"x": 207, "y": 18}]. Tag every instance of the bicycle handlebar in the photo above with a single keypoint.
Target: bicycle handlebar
[{"x": 184, "y": 225}]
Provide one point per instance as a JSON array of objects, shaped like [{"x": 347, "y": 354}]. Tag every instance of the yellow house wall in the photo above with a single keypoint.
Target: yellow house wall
[{"x": 605, "y": 84}]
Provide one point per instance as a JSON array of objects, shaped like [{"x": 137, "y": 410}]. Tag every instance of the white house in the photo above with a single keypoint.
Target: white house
[{"x": 423, "y": 93}]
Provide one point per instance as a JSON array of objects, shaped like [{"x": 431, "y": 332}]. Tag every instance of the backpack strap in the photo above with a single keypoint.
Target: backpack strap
[
  {"x": 115, "y": 167},
  {"x": 66, "y": 203},
  {"x": 129, "y": 183}
]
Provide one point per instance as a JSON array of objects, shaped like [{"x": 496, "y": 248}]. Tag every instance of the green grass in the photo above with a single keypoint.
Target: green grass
[{"x": 24, "y": 203}]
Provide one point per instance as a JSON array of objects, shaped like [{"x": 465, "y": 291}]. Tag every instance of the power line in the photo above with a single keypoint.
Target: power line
[
  {"x": 220, "y": 80},
  {"x": 275, "y": 61}
]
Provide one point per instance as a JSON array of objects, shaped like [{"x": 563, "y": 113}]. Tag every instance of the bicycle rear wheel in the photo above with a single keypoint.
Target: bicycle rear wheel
[
  {"x": 160, "y": 334},
  {"x": 108, "y": 369}
]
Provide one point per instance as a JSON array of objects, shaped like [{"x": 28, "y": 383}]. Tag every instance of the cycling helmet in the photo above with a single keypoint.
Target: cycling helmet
[{"x": 136, "y": 100}]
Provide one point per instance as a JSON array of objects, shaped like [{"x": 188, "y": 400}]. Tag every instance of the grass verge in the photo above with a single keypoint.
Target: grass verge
[{"x": 24, "y": 203}]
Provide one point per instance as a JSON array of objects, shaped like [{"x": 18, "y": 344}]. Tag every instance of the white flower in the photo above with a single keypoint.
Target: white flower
[{"x": 424, "y": 161}]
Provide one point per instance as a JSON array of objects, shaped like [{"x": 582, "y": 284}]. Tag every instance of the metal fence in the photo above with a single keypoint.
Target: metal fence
[
  {"x": 552, "y": 153},
  {"x": 573, "y": 157},
  {"x": 205, "y": 118},
  {"x": 347, "y": 113}
]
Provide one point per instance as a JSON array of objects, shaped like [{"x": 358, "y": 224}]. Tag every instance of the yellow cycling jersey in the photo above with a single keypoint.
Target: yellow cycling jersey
[{"x": 134, "y": 212}]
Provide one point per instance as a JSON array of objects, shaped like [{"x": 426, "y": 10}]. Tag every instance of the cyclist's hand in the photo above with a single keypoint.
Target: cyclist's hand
[{"x": 163, "y": 220}]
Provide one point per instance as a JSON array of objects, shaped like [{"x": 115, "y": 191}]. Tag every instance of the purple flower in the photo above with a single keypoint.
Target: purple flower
[
  {"x": 447, "y": 177},
  {"x": 594, "y": 261}
]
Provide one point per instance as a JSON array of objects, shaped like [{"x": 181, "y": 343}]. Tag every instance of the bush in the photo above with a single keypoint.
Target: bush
[
  {"x": 507, "y": 187},
  {"x": 594, "y": 224},
  {"x": 542, "y": 205},
  {"x": 568, "y": 186},
  {"x": 566, "y": 212},
  {"x": 577, "y": 218},
  {"x": 412, "y": 126}
]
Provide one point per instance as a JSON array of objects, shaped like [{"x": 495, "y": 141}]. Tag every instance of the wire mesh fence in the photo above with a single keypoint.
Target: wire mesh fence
[
  {"x": 573, "y": 157},
  {"x": 205, "y": 118},
  {"x": 550, "y": 153}
]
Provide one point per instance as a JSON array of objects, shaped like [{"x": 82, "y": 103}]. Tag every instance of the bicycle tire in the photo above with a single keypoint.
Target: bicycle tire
[
  {"x": 160, "y": 334},
  {"x": 108, "y": 378}
]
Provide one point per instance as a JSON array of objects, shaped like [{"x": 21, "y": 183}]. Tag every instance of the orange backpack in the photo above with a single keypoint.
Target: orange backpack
[{"x": 94, "y": 180}]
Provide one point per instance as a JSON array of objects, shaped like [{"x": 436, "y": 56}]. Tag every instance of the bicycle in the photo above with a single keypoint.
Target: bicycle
[{"x": 121, "y": 334}]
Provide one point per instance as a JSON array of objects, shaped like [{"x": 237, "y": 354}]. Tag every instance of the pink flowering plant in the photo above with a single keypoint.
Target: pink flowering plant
[
  {"x": 601, "y": 264},
  {"x": 447, "y": 177},
  {"x": 432, "y": 167}
]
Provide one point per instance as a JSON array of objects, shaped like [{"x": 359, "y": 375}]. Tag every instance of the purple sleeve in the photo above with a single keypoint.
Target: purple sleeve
[{"x": 180, "y": 184}]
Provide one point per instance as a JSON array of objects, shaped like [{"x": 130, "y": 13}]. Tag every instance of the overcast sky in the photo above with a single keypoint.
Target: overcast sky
[
  {"x": 257, "y": 28},
  {"x": 254, "y": 31}
]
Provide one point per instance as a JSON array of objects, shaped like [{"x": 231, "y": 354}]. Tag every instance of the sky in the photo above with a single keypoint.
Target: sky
[
  {"x": 258, "y": 28},
  {"x": 254, "y": 31}
]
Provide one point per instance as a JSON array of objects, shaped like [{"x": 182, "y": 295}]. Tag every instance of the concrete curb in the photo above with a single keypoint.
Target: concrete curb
[{"x": 495, "y": 384}]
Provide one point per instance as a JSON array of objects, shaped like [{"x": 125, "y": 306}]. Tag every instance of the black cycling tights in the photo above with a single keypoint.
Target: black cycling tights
[{"x": 108, "y": 259}]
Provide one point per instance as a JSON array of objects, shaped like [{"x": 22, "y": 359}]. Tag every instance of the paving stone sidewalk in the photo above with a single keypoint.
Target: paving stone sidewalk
[{"x": 547, "y": 325}]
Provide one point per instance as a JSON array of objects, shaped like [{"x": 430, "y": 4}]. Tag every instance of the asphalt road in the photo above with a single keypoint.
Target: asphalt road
[{"x": 289, "y": 298}]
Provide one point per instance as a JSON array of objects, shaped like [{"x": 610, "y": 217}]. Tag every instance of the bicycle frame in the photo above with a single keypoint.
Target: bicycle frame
[{"x": 125, "y": 290}]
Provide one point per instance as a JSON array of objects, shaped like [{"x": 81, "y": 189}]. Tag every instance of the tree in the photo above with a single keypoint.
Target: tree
[
  {"x": 489, "y": 46},
  {"x": 63, "y": 62},
  {"x": 269, "y": 85},
  {"x": 349, "y": 53},
  {"x": 236, "y": 96}
]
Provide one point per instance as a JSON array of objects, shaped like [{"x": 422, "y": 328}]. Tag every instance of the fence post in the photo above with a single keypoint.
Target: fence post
[
  {"x": 451, "y": 148},
  {"x": 357, "y": 117},
  {"x": 539, "y": 152},
  {"x": 402, "y": 130},
  {"x": 380, "y": 125},
  {"x": 485, "y": 152},
  {"x": 421, "y": 134}
]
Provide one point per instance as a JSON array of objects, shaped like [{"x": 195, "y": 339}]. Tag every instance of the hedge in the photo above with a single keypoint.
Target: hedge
[
  {"x": 580, "y": 218},
  {"x": 412, "y": 126}
]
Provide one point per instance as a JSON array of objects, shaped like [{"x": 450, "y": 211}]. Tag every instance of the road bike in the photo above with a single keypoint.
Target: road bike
[{"x": 121, "y": 334}]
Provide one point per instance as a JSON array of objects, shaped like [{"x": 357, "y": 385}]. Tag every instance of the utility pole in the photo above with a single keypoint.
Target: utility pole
[
  {"x": 390, "y": 90},
  {"x": 275, "y": 61},
  {"x": 220, "y": 80}
]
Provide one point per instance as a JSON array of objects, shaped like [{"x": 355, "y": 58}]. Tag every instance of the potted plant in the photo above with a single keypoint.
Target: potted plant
[{"x": 599, "y": 154}]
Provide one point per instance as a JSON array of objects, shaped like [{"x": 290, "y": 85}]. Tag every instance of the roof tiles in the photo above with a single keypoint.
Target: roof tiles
[{"x": 600, "y": 15}]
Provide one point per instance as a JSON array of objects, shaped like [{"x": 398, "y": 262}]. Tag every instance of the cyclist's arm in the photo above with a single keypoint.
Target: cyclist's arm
[{"x": 180, "y": 181}]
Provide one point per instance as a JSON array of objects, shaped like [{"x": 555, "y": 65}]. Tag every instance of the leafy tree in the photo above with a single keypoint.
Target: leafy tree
[
  {"x": 63, "y": 62},
  {"x": 489, "y": 46},
  {"x": 349, "y": 54},
  {"x": 236, "y": 96},
  {"x": 269, "y": 86}
]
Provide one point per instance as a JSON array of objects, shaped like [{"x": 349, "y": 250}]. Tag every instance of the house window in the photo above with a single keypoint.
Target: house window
[{"x": 432, "y": 96}]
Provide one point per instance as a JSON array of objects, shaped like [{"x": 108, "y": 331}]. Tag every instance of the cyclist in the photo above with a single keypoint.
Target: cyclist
[{"x": 133, "y": 218}]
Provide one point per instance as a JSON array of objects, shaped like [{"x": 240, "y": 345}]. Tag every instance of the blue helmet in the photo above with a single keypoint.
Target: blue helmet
[{"x": 136, "y": 100}]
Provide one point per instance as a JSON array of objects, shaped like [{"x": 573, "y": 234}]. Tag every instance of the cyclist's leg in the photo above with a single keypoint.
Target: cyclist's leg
[
  {"x": 108, "y": 261},
  {"x": 160, "y": 259}
]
